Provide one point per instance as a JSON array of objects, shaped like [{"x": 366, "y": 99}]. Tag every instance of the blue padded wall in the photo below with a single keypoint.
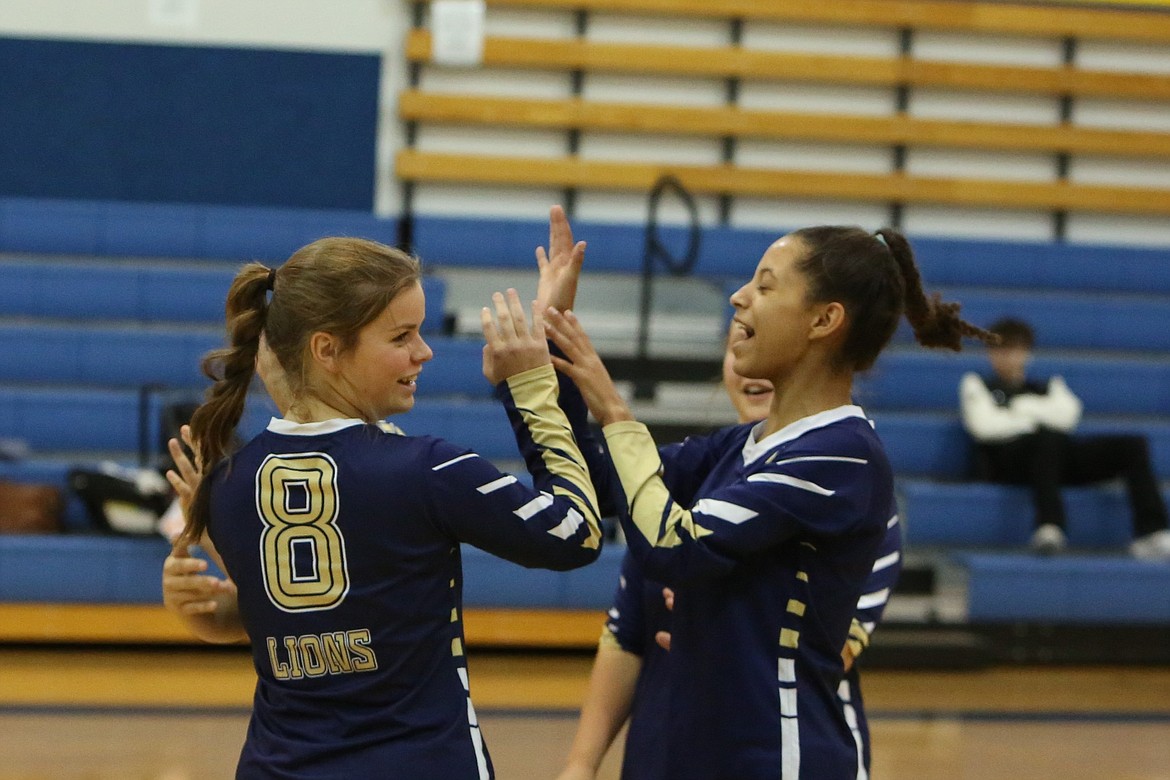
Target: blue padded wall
[{"x": 183, "y": 124}]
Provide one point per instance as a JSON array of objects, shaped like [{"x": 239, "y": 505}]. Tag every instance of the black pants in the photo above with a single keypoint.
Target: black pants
[{"x": 1047, "y": 459}]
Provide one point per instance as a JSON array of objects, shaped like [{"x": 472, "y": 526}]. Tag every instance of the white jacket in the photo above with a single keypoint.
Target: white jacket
[{"x": 989, "y": 422}]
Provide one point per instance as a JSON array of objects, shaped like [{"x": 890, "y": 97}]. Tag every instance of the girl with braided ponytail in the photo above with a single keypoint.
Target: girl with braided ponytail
[
  {"x": 767, "y": 531},
  {"x": 342, "y": 538}
]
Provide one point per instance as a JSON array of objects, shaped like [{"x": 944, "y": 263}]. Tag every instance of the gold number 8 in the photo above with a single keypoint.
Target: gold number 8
[{"x": 301, "y": 548}]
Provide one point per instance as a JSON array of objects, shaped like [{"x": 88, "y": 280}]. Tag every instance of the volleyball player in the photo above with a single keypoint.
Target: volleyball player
[
  {"x": 629, "y": 678},
  {"x": 342, "y": 540},
  {"x": 768, "y": 531}
]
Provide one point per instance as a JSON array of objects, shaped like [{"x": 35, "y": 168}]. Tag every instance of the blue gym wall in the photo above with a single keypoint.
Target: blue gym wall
[{"x": 183, "y": 124}]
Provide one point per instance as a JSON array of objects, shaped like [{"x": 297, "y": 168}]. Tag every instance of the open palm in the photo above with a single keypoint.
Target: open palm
[{"x": 560, "y": 264}]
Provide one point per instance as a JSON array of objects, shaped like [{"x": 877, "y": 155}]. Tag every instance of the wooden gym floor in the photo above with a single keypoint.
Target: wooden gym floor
[{"x": 180, "y": 714}]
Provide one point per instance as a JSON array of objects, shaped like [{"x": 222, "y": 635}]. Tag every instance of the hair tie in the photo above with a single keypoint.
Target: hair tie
[{"x": 270, "y": 284}]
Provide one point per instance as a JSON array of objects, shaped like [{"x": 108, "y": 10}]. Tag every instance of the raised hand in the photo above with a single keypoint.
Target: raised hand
[
  {"x": 511, "y": 346},
  {"x": 560, "y": 265},
  {"x": 583, "y": 365}
]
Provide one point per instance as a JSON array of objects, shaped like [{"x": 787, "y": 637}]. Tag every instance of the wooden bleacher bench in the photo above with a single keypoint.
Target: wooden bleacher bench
[
  {"x": 735, "y": 62},
  {"x": 576, "y": 114},
  {"x": 413, "y": 165},
  {"x": 899, "y": 130},
  {"x": 1004, "y": 18}
]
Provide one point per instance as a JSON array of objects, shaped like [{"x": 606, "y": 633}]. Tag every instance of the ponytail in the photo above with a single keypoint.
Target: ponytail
[
  {"x": 231, "y": 368},
  {"x": 874, "y": 276},
  {"x": 936, "y": 323}
]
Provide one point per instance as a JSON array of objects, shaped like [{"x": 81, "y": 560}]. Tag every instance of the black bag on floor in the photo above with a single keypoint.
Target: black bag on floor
[{"x": 121, "y": 500}]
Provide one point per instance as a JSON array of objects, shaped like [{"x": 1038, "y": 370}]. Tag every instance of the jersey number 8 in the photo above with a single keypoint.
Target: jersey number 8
[{"x": 301, "y": 548}]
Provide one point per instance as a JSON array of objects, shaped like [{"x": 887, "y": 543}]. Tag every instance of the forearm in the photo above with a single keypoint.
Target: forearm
[
  {"x": 575, "y": 409},
  {"x": 638, "y": 466},
  {"x": 222, "y": 626},
  {"x": 607, "y": 705},
  {"x": 1058, "y": 409},
  {"x": 531, "y": 402},
  {"x": 985, "y": 420}
]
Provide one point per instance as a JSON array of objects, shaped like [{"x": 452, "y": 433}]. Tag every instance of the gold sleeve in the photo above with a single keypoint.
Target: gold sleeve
[
  {"x": 858, "y": 638},
  {"x": 534, "y": 393},
  {"x": 635, "y": 458}
]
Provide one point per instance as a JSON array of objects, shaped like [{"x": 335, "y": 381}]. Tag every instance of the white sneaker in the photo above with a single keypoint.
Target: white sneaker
[
  {"x": 1152, "y": 547},
  {"x": 1048, "y": 539}
]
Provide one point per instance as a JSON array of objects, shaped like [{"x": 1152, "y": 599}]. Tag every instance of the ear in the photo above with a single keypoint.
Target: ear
[
  {"x": 325, "y": 350},
  {"x": 828, "y": 320}
]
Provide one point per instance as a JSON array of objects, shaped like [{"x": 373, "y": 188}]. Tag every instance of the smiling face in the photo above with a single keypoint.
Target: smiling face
[
  {"x": 379, "y": 372},
  {"x": 751, "y": 397},
  {"x": 773, "y": 318}
]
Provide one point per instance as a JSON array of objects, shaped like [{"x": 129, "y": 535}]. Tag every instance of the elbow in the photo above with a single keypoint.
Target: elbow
[
  {"x": 582, "y": 556},
  {"x": 561, "y": 557}
]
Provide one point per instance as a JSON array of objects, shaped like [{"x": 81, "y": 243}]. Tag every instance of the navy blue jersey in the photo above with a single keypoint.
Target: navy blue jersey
[
  {"x": 639, "y": 612},
  {"x": 768, "y": 545},
  {"x": 343, "y": 540},
  {"x": 875, "y": 594}
]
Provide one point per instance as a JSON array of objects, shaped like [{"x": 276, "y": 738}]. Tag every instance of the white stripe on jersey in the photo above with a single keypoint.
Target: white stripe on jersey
[
  {"x": 568, "y": 526},
  {"x": 473, "y": 729},
  {"x": 477, "y": 743},
  {"x": 803, "y": 458},
  {"x": 784, "y": 479},
  {"x": 892, "y": 522},
  {"x": 543, "y": 501},
  {"x": 875, "y": 599},
  {"x": 788, "y": 702},
  {"x": 789, "y": 748},
  {"x": 453, "y": 461},
  {"x": 846, "y": 697},
  {"x": 496, "y": 484},
  {"x": 789, "y": 722},
  {"x": 886, "y": 561},
  {"x": 724, "y": 510}
]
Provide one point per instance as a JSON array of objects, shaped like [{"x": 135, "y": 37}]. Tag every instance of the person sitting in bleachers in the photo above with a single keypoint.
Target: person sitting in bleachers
[{"x": 1024, "y": 433}]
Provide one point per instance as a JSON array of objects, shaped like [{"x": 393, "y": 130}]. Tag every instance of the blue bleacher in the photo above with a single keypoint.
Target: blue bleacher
[
  {"x": 490, "y": 582},
  {"x": 1070, "y": 320},
  {"x": 166, "y": 292},
  {"x": 118, "y": 307},
  {"x": 980, "y": 515},
  {"x": 1066, "y": 589},
  {"x": 731, "y": 254},
  {"x": 103, "y": 355},
  {"x": 157, "y": 230},
  {"x": 132, "y": 356},
  {"x": 934, "y": 444},
  {"x": 1107, "y": 384},
  {"x": 81, "y": 568}
]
